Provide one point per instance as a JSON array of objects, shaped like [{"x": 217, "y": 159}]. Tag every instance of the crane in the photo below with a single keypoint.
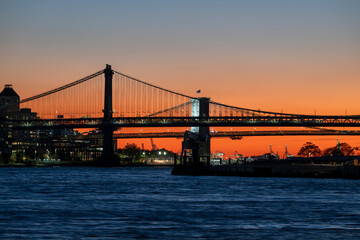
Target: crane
[
  {"x": 271, "y": 151},
  {"x": 287, "y": 154},
  {"x": 153, "y": 146}
]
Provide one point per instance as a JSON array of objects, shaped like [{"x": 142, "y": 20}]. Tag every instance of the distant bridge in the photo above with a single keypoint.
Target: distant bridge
[{"x": 240, "y": 134}]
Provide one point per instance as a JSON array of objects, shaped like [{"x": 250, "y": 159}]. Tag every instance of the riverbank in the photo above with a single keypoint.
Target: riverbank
[
  {"x": 83, "y": 164},
  {"x": 31, "y": 164}
]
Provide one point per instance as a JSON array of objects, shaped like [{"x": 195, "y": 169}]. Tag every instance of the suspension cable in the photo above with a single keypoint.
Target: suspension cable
[
  {"x": 163, "y": 89},
  {"x": 63, "y": 87}
]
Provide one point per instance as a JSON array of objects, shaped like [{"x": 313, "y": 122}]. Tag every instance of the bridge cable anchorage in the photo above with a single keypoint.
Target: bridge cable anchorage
[{"x": 63, "y": 87}]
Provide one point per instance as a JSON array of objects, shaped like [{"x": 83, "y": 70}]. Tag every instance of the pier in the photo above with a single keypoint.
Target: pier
[{"x": 313, "y": 167}]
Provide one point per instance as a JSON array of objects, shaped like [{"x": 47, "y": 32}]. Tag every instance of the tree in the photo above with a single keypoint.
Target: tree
[
  {"x": 132, "y": 151},
  {"x": 309, "y": 149},
  {"x": 345, "y": 148}
]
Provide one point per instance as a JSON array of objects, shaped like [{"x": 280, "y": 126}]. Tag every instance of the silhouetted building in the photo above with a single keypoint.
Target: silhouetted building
[
  {"x": 11, "y": 140},
  {"x": 9, "y": 100}
]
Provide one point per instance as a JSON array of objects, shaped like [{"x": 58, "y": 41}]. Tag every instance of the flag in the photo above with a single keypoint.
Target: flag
[{"x": 198, "y": 91}]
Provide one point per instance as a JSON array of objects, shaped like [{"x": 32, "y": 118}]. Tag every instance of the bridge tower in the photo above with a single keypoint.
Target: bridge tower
[
  {"x": 107, "y": 128},
  {"x": 198, "y": 140},
  {"x": 204, "y": 132}
]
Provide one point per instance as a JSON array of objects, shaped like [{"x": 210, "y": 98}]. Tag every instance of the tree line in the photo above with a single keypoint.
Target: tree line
[{"x": 309, "y": 149}]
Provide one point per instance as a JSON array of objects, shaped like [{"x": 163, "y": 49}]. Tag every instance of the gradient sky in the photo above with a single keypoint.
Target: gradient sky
[{"x": 289, "y": 56}]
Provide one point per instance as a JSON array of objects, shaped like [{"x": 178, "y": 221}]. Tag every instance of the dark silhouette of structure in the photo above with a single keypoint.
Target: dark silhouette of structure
[
  {"x": 140, "y": 104},
  {"x": 107, "y": 128},
  {"x": 9, "y": 100}
]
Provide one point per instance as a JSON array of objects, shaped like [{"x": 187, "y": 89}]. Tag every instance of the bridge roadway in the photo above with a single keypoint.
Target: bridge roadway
[
  {"x": 226, "y": 121},
  {"x": 235, "y": 135},
  {"x": 239, "y": 134}
]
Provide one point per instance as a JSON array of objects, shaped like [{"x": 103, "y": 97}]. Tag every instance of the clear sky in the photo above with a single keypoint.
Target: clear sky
[{"x": 290, "y": 56}]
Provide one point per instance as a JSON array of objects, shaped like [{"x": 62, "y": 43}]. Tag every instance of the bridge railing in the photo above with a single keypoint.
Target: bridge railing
[{"x": 310, "y": 121}]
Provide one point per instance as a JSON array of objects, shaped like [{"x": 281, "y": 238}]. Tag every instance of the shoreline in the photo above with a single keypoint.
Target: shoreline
[{"x": 75, "y": 164}]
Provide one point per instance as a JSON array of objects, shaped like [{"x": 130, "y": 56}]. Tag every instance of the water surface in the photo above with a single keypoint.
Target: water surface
[{"x": 149, "y": 203}]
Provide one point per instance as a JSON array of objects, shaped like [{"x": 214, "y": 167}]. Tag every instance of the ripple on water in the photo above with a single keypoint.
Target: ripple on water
[{"x": 113, "y": 203}]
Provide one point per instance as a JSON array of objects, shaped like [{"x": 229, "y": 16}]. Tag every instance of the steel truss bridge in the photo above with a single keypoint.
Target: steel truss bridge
[{"x": 109, "y": 100}]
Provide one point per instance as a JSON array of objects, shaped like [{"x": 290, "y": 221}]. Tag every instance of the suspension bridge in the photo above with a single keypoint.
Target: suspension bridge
[{"x": 109, "y": 100}]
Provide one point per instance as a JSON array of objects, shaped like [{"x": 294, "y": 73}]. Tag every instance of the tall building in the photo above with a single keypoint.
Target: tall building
[
  {"x": 10, "y": 110},
  {"x": 9, "y": 105},
  {"x": 9, "y": 100}
]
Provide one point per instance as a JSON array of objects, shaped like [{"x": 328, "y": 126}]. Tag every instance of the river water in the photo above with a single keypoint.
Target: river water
[{"x": 150, "y": 203}]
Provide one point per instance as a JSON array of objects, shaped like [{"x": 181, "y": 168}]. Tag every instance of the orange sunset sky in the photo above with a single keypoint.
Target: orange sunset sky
[{"x": 298, "y": 57}]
